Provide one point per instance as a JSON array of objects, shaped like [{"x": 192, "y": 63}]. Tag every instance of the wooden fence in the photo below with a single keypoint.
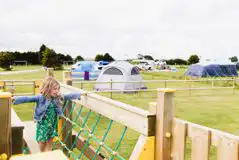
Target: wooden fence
[
  {"x": 160, "y": 131},
  {"x": 187, "y": 85}
]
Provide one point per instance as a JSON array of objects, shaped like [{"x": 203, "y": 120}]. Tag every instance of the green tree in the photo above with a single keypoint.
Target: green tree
[
  {"x": 148, "y": 57},
  {"x": 193, "y": 59},
  {"x": 40, "y": 53},
  {"x": 233, "y": 59},
  {"x": 6, "y": 60},
  {"x": 99, "y": 57},
  {"x": 50, "y": 59},
  {"x": 79, "y": 58},
  {"x": 177, "y": 61},
  {"x": 108, "y": 57}
]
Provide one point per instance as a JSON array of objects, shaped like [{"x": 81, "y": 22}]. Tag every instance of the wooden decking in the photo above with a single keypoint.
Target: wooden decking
[
  {"x": 29, "y": 135},
  {"x": 57, "y": 155},
  {"x": 17, "y": 133}
]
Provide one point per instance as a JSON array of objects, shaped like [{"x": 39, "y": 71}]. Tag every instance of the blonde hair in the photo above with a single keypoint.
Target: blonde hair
[{"x": 48, "y": 84}]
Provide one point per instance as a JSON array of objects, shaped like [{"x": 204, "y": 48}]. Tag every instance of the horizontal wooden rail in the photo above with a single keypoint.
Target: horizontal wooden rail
[
  {"x": 21, "y": 80},
  {"x": 153, "y": 81},
  {"x": 19, "y": 84},
  {"x": 135, "y": 118},
  {"x": 215, "y": 134}
]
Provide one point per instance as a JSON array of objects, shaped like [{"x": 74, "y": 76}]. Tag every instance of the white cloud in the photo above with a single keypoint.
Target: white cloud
[{"x": 164, "y": 29}]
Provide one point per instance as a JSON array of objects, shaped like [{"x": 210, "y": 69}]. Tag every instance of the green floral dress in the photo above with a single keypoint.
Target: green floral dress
[{"x": 47, "y": 127}]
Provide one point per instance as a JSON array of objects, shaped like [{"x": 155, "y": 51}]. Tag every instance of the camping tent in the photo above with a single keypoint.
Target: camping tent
[
  {"x": 86, "y": 70},
  {"x": 120, "y": 71},
  {"x": 213, "y": 69}
]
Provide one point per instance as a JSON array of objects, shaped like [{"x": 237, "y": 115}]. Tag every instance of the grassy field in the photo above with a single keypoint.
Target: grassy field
[
  {"x": 23, "y": 67},
  {"x": 213, "y": 108}
]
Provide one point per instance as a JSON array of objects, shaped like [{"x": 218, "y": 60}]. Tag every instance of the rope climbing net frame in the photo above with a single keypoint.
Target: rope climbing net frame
[{"x": 80, "y": 124}]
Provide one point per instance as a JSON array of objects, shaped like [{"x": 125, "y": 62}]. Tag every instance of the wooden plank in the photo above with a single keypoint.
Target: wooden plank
[
  {"x": 200, "y": 143},
  {"x": 50, "y": 72},
  {"x": 67, "y": 79},
  {"x": 57, "y": 155},
  {"x": 227, "y": 149},
  {"x": 15, "y": 120},
  {"x": 5, "y": 123},
  {"x": 179, "y": 140},
  {"x": 164, "y": 120},
  {"x": 152, "y": 107},
  {"x": 89, "y": 151},
  {"x": 215, "y": 134},
  {"x": 67, "y": 130},
  {"x": 29, "y": 135},
  {"x": 17, "y": 133},
  {"x": 157, "y": 81},
  {"x": 144, "y": 148},
  {"x": 143, "y": 121}
]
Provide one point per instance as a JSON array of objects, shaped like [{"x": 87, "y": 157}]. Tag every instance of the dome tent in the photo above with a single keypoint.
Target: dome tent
[
  {"x": 212, "y": 69},
  {"x": 120, "y": 71}
]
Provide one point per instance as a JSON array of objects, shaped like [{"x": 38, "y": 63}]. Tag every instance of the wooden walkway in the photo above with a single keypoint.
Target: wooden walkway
[
  {"x": 29, "y": 135},
  {"x": 57, "y": 154}
]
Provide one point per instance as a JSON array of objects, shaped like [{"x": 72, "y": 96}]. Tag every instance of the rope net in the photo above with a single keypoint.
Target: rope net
[{"x": 85, "y": 124}]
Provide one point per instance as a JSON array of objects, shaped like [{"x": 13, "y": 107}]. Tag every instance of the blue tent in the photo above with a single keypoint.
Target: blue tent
[
  {"x": 237, "y": 66},
  {"x": 86, "y": 70},
  {"x": 212, "y": 70}
]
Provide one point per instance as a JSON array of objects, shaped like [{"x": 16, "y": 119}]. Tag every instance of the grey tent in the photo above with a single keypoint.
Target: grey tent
[{"x": 120, "y": 71}]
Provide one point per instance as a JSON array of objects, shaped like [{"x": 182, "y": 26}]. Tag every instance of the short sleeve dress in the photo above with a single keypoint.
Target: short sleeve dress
[{"x": 47, "y": 127}]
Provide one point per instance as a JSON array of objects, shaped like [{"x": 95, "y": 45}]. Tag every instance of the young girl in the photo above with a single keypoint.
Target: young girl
[{"x": 48, "y": 106}]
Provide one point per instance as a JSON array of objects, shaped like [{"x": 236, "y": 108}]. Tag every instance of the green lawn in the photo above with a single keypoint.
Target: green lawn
[
  {"x": 213, "y": 108},
  {"x": 23, "y": 67}
]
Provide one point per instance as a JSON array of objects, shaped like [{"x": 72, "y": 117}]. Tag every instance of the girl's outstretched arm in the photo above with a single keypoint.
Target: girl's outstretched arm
[
  {"x": 71, "y": 96},
  {"x": 25, "y": 99}
]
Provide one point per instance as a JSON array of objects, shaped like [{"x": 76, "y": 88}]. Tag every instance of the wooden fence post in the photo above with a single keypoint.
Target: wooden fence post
[
  {"x": 164, "y": 120},
  {"x": 189, "y": 87},
  {"x": 50, "y": 72},
  {"x": 2, "y": 86},
  {"x": 234, "y": 85},
  {"x": 37, "y": 84},
  {"x": 67, "y": 79},
  {"x": 212, "y": 85},
  {"x": 5, "y": 123}
]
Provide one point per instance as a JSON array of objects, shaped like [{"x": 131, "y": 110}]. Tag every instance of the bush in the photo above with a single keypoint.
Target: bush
[{"x": 6, "y": 60}]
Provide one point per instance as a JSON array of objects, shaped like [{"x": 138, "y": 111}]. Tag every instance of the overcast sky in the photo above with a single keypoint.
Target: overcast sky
[{"x": 123, "y": 28}]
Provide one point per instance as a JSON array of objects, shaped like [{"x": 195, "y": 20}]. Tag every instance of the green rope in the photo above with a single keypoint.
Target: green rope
[
  {"x": 85, "y": 120},
  {"x": 103, "y": 140},
  {"x": 66, "y": 104},
  {"x": 91, "y": 133},
  {"x": 73, "y": 124},
  {"x": 117, "y": 146},
  {"x": 62, "y": 129}
]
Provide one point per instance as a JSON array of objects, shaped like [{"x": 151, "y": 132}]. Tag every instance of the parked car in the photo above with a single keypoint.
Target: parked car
[{"x": 101, "y": 64}]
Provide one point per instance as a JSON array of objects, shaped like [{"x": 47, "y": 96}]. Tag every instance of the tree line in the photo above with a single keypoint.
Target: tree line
[
  {"x": 45, "y": 56},
  {"x": 49, "y": 58}
]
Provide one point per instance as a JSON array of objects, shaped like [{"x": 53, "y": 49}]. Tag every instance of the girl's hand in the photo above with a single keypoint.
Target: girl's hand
[{"x": 13, "y": 99}]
